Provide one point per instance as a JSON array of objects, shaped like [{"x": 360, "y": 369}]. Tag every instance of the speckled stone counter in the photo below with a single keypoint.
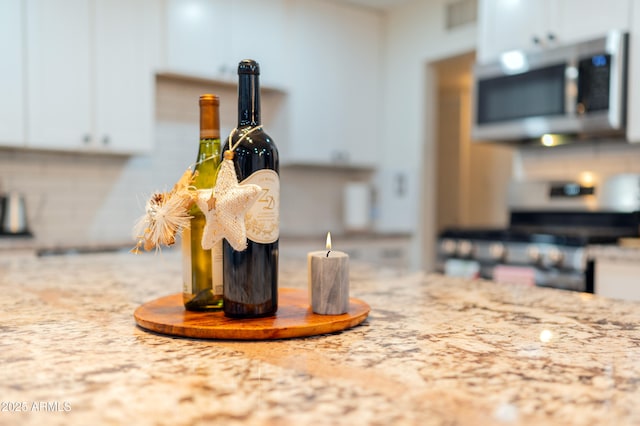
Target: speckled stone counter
[{"x": 434, "y": 350}]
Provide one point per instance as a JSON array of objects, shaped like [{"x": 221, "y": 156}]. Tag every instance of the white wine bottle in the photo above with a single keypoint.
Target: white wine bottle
[
  {"x": 251, "y": 275},
  {"x": 202, "y": 269}
]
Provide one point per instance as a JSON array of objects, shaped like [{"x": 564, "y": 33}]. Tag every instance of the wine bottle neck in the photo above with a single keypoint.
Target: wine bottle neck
[
  {"x": 208, "y": 146},
  {"x": 248, "y": 100},
  {"x": 209, "y": 117},
  {"x": 209, "y": 129}
]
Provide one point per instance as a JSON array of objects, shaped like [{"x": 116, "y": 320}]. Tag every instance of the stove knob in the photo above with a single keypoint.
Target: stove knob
[
  {"x": 555, "y": 257},
  {"x": 464, "y": 248},
  {"x": 533, "y": 252},
  {"x": 497, "y": 251},
  {"x": 448, "y": 247}
]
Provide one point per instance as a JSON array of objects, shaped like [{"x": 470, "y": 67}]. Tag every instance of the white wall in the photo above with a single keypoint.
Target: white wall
[{"x": 415, "y": 36}]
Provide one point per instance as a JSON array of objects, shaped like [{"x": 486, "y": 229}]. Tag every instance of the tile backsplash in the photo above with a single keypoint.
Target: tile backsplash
[
  {"x": 78, "y": 199},
  {"x": 601, "y": 159},
  {"x": 88, "y": 199}
]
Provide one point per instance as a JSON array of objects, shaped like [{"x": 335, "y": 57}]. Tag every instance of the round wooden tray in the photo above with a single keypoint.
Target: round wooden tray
[{"x": 294, "y": 318}]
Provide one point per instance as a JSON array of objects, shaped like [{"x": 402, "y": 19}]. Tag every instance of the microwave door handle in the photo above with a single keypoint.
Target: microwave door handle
[
  {"x": 571, "y": 78},
  {"x": 616, "y": 47}
]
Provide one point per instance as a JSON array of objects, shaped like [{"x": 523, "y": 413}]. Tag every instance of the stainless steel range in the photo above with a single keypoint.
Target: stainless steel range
[{"x": 551, "y": 227}]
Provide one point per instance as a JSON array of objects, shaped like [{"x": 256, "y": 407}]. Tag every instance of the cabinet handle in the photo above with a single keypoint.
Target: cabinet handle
[
  {"x": 536, "y": 40},
  {"x": 86, "y": 138},
  {"x": 551, "y": 37},
  {"x": 106, "y": 140}
]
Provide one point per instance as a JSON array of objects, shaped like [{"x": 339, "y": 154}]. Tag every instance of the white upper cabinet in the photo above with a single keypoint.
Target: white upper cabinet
[
  {"x": 259, "y": 30},
  {"x": 11, "y": 74},
  {"x": 89, "y": 74},
  {"x": 325, "y": 56},
  {"x": 584, "y": 19},
  {"x": 58, "y": 73},
  {"x": 505, "y": 25},
  {"x": 208, "y": 38},
  {"x": 198, "y": 34},
  {"x": 538, "y": 24},
  {"x": 335, "y": 70},
  {"x": 128, "y": 50}
]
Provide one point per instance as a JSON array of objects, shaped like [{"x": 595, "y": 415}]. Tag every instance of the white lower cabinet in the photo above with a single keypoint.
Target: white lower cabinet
[
  {"x": 617, "y": 278},
  {"x": 386, "y": 251}
]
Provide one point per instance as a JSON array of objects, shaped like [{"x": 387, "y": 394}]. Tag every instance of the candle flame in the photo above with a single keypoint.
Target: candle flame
[{"x": 328, "y": 241}]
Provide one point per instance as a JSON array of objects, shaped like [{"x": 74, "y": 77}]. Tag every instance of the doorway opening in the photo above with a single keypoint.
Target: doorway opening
[{"x": 471, "y": 178}]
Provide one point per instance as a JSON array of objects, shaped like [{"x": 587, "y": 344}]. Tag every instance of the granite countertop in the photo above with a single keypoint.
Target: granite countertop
[{"x": 434, "y": 350}]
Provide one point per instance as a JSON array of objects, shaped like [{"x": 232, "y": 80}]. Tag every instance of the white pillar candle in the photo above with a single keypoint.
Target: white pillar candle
[{"x": 328, "y": 280}]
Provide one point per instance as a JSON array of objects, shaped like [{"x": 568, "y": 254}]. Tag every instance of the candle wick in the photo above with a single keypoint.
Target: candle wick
[{"x": 328, "y": 253}]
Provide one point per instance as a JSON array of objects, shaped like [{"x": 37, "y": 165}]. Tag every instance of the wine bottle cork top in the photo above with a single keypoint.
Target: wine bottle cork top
[
  {"x": 248, "y": 66},
  {"x": 209, "y": 116},
  {"x": 208, "y": 98}
]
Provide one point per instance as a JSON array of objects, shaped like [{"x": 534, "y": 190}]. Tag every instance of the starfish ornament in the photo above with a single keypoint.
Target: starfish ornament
[{"x": 224, "y": 207}]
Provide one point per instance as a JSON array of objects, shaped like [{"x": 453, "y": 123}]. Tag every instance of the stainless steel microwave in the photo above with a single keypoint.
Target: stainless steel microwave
[{"x": 579, "y": 89}]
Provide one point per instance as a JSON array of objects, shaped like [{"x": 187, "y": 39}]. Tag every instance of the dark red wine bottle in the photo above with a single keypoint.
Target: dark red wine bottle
[{"x": 251, "y": 276}]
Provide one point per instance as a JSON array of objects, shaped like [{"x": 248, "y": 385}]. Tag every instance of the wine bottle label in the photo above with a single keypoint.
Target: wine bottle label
[
  {"x": 216, "y": 268},
  {"x": 186, "y": 261},
  {"x": 187, "y": 266},
  {"x": 263, "y": 218}
]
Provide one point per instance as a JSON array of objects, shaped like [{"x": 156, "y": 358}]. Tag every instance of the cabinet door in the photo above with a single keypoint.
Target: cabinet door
[
  {"x": 11, "y": 74},
  {"x": 124, "y": 89},
  {"x": 313, "y": 131},
  {"x": 199, "y": 37},
  {"x": 617, "y": 278},
  {"x": 334, "y": 101},
  {"x": 596, "y": 19},
  {"x": 58, "y": 73},
  {"x": 535, "y": 24},
  {"x": 260, "y": 34},
  {"x": 507, "y": 25},
  {"x": 357, "y": 107}
]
